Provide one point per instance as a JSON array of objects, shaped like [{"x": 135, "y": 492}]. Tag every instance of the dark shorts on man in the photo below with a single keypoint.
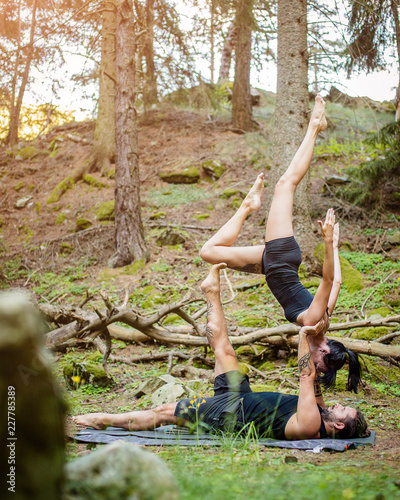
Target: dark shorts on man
[
  {"x": 218, "y": 412},
  {"x": 280, "y": 264}
]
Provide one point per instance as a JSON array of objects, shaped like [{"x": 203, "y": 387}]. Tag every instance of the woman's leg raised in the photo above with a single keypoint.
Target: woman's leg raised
[
  {"x": 279, "y": 223},
  {"x": 219, "y": 248}
]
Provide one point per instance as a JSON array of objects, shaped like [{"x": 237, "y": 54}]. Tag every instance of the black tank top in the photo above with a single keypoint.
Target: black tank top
[{"x": 270, "y": 412}]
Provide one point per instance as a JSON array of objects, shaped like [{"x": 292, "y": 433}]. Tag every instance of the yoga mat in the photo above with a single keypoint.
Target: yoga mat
[{"x": 181, "y": 436}]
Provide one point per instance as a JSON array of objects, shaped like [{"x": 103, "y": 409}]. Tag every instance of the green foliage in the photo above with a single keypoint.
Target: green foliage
[
  {"x": 362, "y": 261},
  {"x": 380, "y": 169}
]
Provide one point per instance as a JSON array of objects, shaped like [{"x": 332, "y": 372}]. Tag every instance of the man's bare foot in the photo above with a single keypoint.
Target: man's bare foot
[
  {"x": 211, "y": 283},
  {"x": 252, "y": 201},
  {"x": 95, "y": 420},
  {"x": 318, "y": 119}
]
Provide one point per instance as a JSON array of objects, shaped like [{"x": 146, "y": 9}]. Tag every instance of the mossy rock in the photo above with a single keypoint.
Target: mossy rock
[
  {"x": 62, "y": 217},
  {"x": 66, "y": 248},
  {"x": 170, "y": 237},
  {"x": 60, "y": 189},
  {"x": 201, "y": 216},
  {"x": 383, "y": 312},
  {"x": 26, "y": 153},
  {"x": 179, "y": 175},
  {"x": 352, "y": 279},
  {"x": 18, "y": 186},
  {"x": 371, "y": 333},
  {"x": 157, "y": 215},
  {"x": 88, "y": 372},
  {"x": 105, "y": 212},
  {"x": 267, "y": 366},
  {"x": 213, "y": 168},
  {"x": 236, "y": 202},
  {"x": 302, "y": 272},
  {"x": 228, "y": 193},
  {"x": 245, "y": 350},
  {"x": 311, "y": 283},
  {"x": 346, "y": 246},
  {"x": 92, "y": 181},
  {"x": 83, "y": 223}
]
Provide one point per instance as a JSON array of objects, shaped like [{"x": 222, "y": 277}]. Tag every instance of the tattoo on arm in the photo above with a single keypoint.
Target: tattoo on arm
[
  {"x": 304, "y": 362},
  {"x": 249, "y": 268},
  {"x": 317, "y": 389}
]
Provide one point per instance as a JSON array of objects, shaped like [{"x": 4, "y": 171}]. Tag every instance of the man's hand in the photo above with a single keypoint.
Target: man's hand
[
  {"x": 336, "y": 234},
  {"x": 327, "y": 226}
]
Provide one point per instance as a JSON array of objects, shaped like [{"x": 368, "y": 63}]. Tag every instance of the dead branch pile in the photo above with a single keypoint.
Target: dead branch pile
[{"x": 76, "y": 324}]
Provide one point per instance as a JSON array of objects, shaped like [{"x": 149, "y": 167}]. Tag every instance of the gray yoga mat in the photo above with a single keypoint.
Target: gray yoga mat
[{"x": 175, "y": 435}]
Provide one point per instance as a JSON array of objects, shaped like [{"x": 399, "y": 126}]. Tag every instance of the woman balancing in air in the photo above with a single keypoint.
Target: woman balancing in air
[{"x": 280, "y": 258}]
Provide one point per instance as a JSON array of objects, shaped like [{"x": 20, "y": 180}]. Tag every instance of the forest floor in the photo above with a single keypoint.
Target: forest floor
[{"x": 43, "y": 252}]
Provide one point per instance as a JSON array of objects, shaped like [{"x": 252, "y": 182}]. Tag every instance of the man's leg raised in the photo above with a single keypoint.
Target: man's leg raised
[
  {"x": 279, "y": 223},
  {"x": 216, "y": 329},
  {"x": 219, "y": 247}
]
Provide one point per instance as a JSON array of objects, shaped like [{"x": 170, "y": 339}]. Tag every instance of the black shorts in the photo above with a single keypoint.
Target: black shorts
[
  {"x": 219, "y": 411},
  {"x": 280, "y": 264}
]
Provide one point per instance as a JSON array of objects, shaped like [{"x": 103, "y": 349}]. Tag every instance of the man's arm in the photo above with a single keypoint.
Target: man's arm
[
  {"x": 306, "y": 423},
  {"x": 337, "y": 278},
  {"x": 318, "y": 306}
]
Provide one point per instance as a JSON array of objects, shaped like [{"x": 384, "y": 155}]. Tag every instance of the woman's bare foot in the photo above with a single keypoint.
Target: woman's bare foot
[
  {"x": 211, "y": 283},
  {"x": 252, "y": 201},
  {"x": 318, "y": 119},
  {"x": 96, "y": 420}
]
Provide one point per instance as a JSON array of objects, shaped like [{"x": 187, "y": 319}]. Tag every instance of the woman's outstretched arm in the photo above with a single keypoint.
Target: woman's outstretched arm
[
  {"x": 318, "y": 306},
  {"x": 337, "y": 278}
]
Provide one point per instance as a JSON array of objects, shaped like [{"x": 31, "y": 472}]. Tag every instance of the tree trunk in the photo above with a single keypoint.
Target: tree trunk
[
  {"x": 292, "y": 111},
  {"x": 129, "y": 236},
  {"x": 12, "y": 137},
  {"x": 150, "y": 81},
  {"x": 103, "y": 148},
  {"x": 242, "y": 117},
  {"x": 395, "y": 12},
  {"x": 226, "y": 57},
  {"x": 212, "y": 45}
]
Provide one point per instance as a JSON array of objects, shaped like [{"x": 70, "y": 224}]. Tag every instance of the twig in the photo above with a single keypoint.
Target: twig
[
  {"x": 170, "y": 357},
  {"x": 389, "y": 336}
]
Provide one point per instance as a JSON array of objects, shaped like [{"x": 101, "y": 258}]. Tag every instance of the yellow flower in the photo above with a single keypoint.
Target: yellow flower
[
  {"x": 191, "y": 402},
  {"x": 76, "y": 379},
  {"x": 203, "y": 401}
]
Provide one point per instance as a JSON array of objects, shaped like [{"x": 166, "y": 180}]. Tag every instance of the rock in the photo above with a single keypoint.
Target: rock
[
  {"x": 336, "y": 180},
  {"x": 168, "y": 393},
  {"x": 150, "y": 385},
  {"x": 213, "y": 168},
  {"x": 351, "y": 278},
  {"x": 82, "y": 223},
  {"x": 170, "y": 237},
  {"x": 393, "y": 239},
  {"x": 190, "y": 371},
  {"x": 255, "y": 96},
  {"x": 179, "y": 175},
  {"x": 105, "y": 211},
  {"x": 119, "y": 470},
  {"x": 26, "y": 153},
  {"x": 76, "y": 374},
  {"x": 22, "y": 202},
  {"x": 228, "y": 193}
]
